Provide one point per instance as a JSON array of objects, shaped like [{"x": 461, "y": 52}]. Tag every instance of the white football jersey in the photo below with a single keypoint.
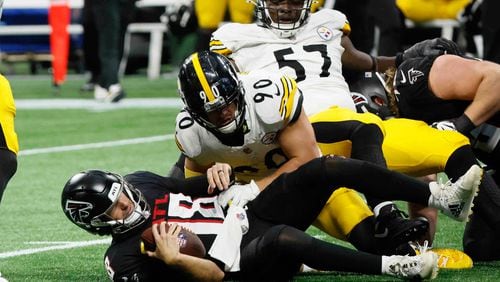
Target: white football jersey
[
  {"x": 312, "y": 56},
  {"x": 272, "y": 102}
]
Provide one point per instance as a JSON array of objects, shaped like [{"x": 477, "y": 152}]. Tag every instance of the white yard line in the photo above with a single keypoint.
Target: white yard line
[
  {"x": 91, "y": 104},
  {"x": 57, "y": 246},
  {"x": 86, "y": 104},
  {"x": 98, "y": 145}
]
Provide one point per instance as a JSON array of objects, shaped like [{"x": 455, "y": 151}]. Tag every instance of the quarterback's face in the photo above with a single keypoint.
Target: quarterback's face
[
  {"x": 223, "y": 116},
  {"x": 285, "y": 11},
  {"x": 122, "y": 208}
]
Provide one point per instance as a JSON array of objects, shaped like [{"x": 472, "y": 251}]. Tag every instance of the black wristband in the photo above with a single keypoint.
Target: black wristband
[
  {"x": 463, "y": 124},
  {"x": 399, "y": 59},
  {"x": 374, "y": 63}
]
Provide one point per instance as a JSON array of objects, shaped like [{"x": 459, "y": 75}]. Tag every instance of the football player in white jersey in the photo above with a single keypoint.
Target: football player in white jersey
[
  {"x": 312, "y": 50},
  {"x": 262, "y": 134}
]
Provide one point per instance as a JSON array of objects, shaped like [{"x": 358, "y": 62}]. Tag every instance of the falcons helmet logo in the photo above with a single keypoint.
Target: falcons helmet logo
[{"x": 78, "y": 211}]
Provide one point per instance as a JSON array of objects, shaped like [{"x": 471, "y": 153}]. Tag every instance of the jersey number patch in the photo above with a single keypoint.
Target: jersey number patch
[{"x": 300, "y": 71}]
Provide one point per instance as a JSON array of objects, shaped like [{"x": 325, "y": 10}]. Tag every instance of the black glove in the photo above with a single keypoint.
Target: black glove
[{"x": 429, "y": 47}]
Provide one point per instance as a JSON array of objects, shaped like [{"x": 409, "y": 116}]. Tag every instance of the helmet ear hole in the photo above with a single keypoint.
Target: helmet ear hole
[{"x": 379, "y": 101}]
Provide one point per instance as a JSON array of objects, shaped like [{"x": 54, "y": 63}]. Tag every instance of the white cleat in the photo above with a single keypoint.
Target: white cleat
[
  {"x": 455, "y": 199},
  {"x": 423, "y": 266}
]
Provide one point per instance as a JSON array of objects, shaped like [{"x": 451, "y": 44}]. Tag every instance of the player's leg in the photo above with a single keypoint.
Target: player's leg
[
  {"x": 241, "y": 11},
  {"x": 414, "y": 148},
  {"x": 480, "y": 240},
  {"x": 7, "y": 169},
  {"x": 280, "y": 250},
  {"x": 297, "y": 198},
  {"x": 209, "y": 14},
  {"x": 9, "y": 145},
  {"x": 453, "y": 199},
  {"x": 343, "y": 132}
]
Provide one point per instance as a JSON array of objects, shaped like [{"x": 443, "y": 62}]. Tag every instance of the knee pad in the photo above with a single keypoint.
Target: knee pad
[{"x": 343, "y": 211}]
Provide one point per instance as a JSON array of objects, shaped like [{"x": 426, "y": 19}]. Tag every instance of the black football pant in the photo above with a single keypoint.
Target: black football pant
[{"x": 279, "y": 216}]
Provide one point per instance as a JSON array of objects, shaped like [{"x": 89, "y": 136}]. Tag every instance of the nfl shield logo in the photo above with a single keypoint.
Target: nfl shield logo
[{"x": 325, "y": 33}]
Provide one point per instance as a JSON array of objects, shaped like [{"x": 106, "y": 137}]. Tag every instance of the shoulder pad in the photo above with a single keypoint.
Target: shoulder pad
[
  {"x": 230, "y": 37},
  {"x": 186, "y": 136},
  {"x": 333, "y": 18},
  {"x": 275, "y": 98}
]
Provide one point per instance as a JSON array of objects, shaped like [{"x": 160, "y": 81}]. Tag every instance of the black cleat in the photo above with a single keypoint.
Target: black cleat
[{"x": 394, "y": 230}]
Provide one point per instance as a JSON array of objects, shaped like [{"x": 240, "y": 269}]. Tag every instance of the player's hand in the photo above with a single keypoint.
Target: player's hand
[
  {"x": 219, "y": 177},
  {"x": 167, "y": 243},
  {"x": 429, "y": 47},
  {"x": 239, "y": 195},
  {"x": 444, "y": 125}
]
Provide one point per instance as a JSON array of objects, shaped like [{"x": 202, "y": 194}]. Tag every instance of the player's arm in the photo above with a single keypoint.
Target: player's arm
[
  {"x": 298, "y": 142},
  {"x": 167, "y": 250},
  {"x": 192, "y": 168},
  {"x": 355, "y": 59},
  {"x": 476, "y": 81}
]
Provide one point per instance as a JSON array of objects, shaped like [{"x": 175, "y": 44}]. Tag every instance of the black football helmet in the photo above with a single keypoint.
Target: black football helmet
[
  {"x": 370, "y": 95},
  {"x": 208, "y": 82},
  {"x": 88, "y": 196},
  {"x": 283, "y": 30}
]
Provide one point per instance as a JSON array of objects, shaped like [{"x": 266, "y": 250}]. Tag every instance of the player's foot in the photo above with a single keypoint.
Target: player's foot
[
  {"x": 394, "y": 230},
  {"x": 111, "y": 95},
  {"x": 393, "y": 224},
  {"x": 423, "y": 266},
  {"x": 455, "y": 199}
]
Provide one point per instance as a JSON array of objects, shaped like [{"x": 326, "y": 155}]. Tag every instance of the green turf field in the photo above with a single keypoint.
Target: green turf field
[{"x": 38, "y": 243}]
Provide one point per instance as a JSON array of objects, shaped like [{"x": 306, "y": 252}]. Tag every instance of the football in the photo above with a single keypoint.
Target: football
[{"x": 189, "y": 242}]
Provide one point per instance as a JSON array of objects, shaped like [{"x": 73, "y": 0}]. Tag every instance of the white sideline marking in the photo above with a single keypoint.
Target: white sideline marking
[
  {"x": 58, "y": 246},
  {"x": 46, "y": 104},
  {"x": 96, "y": 145}
]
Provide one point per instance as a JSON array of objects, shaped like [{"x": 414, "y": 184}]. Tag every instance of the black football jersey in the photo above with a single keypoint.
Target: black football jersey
[
  {"x": 414, "y": 98},
  {"x": 184, "y": 202}
]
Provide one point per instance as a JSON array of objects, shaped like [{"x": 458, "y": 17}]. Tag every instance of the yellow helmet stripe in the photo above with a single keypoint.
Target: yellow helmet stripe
[{"x": 203, "y": 79}]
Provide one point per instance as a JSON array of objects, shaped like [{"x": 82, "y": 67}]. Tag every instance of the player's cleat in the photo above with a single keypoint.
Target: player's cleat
[
  {"x": 394, "y": 225},
  {"x": 111, "y": 95},
  {"x": 455, "y": 199},
  {"x": 393, "y": 231},
  {"x": 453, "y": 259},
  {"x": 423, "y": 266}
]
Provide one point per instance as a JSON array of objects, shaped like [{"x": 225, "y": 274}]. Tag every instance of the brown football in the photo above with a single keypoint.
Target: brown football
[{"x": 189, "y": 242}]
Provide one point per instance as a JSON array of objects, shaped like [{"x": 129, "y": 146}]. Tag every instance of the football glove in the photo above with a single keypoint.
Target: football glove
[
  {"x": 238, "y": 194},
  {"x": 429, "y": 47}
]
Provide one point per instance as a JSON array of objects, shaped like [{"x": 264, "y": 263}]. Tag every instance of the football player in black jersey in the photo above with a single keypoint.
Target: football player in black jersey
[{"x": 273, "y": 244}]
